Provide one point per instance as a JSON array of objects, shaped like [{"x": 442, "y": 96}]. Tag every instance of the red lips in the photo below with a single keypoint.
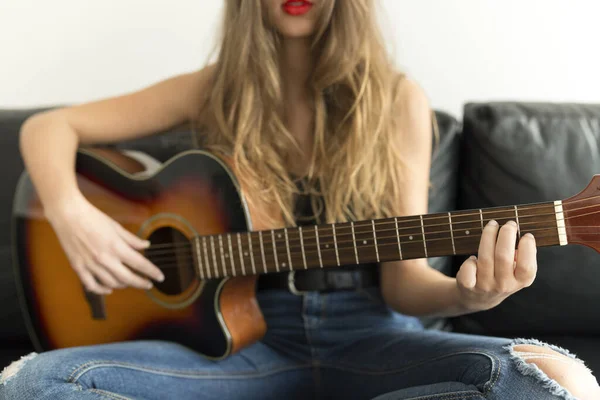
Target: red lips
[{"x": 296, "y": 8}]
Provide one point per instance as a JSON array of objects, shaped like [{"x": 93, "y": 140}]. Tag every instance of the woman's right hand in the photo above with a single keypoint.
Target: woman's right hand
[{"x": 104, "y": 255}]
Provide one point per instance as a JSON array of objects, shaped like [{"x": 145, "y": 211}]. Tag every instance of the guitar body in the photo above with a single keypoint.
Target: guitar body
[{"x": 194, "y": 193}]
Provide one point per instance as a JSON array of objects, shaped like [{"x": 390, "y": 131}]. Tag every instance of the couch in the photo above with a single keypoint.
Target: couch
[{"x": 499, "y": 154}]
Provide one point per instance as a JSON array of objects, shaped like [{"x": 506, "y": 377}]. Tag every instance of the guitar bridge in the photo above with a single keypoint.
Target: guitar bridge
[{"x": 96, "y": 303}]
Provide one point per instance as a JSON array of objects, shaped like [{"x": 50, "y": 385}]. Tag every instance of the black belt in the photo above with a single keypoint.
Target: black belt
[{"x": 321, "y": 280}]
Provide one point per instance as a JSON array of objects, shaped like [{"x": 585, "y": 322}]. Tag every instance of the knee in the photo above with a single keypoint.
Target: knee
[
  {"x": 12, "y": 370},
  {"x": 568, "y": 372},
  {"x": 15, "y": 377},
  {"x": 33, "y": 376}
]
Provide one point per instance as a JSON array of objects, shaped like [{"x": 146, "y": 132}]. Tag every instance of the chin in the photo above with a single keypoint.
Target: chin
[{"x": 296, "y": 31}]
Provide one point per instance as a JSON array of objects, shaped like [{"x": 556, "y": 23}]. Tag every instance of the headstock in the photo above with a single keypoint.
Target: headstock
[{"x": 582, "y": 216}]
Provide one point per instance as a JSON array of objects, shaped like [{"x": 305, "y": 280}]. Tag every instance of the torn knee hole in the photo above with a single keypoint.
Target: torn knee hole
[
  {"x": 559, "y": 371},
  {"x": 11, "y": 371},
  {"x": 531, "y": 353}
]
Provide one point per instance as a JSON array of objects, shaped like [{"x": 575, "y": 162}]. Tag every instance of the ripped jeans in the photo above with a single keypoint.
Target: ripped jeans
[{"x": 343, "y": 345}]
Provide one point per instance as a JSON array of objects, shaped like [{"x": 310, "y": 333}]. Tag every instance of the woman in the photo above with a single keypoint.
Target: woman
[{"x": 302, "y": 96}]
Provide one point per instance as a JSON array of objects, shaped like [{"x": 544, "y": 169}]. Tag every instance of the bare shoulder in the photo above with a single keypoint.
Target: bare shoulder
[
  {"x": 412, "y": 99},
  {"x": 152, "y": 109},
  {"x": 413, "y": 113}
]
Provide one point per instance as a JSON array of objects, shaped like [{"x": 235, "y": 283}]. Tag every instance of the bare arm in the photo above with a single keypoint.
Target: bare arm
[
  {"x": 49, "y": 140},
  {"x": 412, "y": 286},
  {"x": 408, "y": 286}
]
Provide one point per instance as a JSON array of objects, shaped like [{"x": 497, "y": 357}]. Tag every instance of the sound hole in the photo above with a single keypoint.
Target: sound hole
[{"x": 171, "y": 251}]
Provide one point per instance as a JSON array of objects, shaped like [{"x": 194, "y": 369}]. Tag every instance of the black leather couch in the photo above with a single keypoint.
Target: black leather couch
[{"x": 501, "y": 154}]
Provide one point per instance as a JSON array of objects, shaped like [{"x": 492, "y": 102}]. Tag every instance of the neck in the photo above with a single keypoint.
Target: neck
[{"x": 296, "y": 65}]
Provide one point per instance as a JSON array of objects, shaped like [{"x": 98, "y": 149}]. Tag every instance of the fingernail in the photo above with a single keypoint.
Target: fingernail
[
  {"x": 161, "y": 278},
  {"x": 513, "y": 223},
  {"x": 147, "y": 243},
  {"x": 529, "y": 235},
  {"x": 473, "y": 258},
  {"x": 493, "y": 223},
  {"x": 149, "y": 286}
]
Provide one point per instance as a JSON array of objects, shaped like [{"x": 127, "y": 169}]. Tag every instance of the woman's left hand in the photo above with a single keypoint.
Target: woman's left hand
[{"x": 499, "y": 270}]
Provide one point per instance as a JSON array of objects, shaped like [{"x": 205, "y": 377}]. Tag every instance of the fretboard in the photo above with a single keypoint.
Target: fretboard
[{"x": 370, "y": 241}]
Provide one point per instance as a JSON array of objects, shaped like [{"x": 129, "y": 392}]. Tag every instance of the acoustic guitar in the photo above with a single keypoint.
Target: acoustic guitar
[{"x": 211, "y": 246}]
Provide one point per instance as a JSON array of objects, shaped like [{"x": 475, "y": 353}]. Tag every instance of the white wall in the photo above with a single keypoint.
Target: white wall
[{"x": 65, "y": 51}]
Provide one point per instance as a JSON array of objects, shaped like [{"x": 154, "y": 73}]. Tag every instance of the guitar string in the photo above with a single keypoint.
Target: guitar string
[
  {"x": 189, "y": 255},
  {"x": 295, "y": 243},
  {"x": 458, "y": 214},
  {"x": 381, "y": 224},
  {"x": 271, "y": 269},
  {"x": 417, "y": 227}
]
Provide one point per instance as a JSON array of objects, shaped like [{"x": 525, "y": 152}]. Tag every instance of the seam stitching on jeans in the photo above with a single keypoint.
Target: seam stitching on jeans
[
  {"x": 178, "y": 373},
  {"x": 109, "y": 395},
  {"x": 71, "y": 378},
  {"x": 313, "y": 361},
  {"x": 489, "y": 385}
]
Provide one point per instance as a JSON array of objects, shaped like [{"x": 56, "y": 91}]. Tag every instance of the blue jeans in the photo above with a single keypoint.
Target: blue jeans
[{"x": 343, "y": 345}]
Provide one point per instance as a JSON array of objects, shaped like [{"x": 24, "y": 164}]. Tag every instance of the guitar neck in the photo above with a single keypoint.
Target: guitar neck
[{"x": 390, "y": 239}]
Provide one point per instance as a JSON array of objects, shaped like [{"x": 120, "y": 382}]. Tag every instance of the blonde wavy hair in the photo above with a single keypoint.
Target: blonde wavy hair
[{"x": 355, "y": 163}]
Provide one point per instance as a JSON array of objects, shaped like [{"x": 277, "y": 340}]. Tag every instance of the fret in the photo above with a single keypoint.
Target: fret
[
  {"x": 481, "y": 217},
  {"x": 274, "y": 250},
  {"x": 287, "y": 246},
  {"x": 354, "y": 242},
  {"x": 240, "y": 251},
  {"x": 410, "y": 232},
  {"x": 499, "y": 214},
  {"x": 437, "y": 234},
  {"x": 199, "y": 257},
  {"x": 337, "y": 255},
  {"x": 251, "y": 253},
  {"x": 318, "y": 246},
  {"x": 214, "y": 256},
  {"x": 222, "y": 255},
  {"x": 518, "y": 224},
  {"x": 262, "y": 251},
  {"x": 424, "y": 240},
  {"x": 206, "y": 257},
  {"x": 375, "y": 239},
  {"x": 302, "y": 246},
  {"x": 231, "y": 255},
  {"x": 451, "y": 233},
  {"x": 466, "y": 230},
  {"x": 398, "y": 237}
]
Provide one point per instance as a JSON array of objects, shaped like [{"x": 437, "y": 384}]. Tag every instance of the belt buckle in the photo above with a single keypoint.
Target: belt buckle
[{"x": 292, "y": 284}]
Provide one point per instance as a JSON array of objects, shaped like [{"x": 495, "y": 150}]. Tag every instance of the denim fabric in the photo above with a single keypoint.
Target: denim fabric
[{"x": 343, "y": 345}]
